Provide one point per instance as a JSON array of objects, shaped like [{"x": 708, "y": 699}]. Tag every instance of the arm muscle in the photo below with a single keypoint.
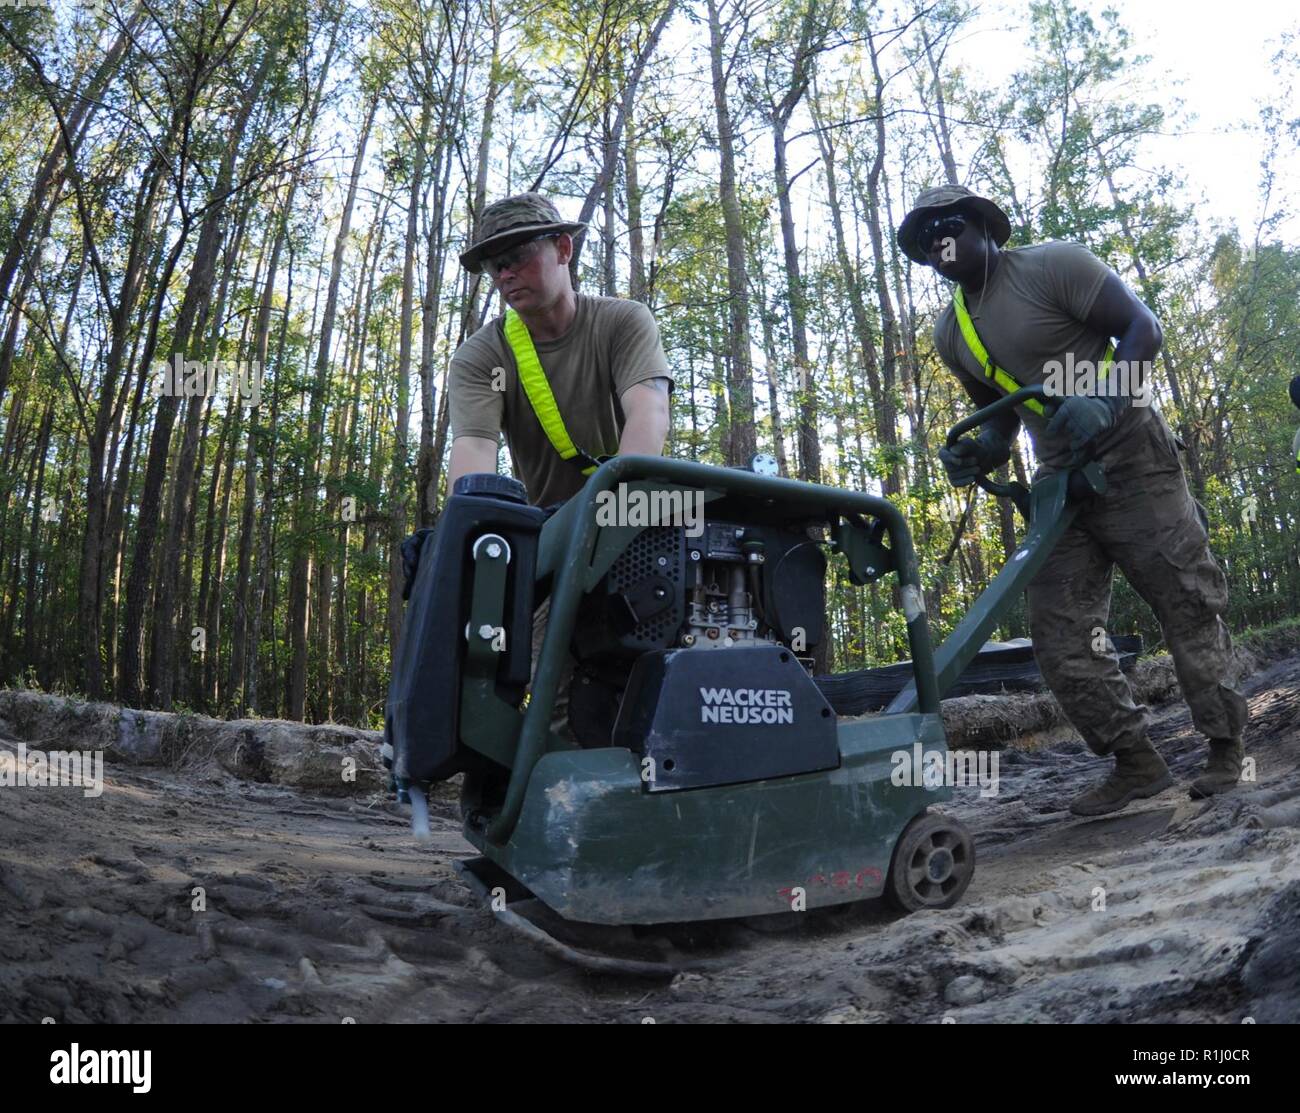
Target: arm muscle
[
  {"x": 470, "y": 455},
  {"x": 645, "y": 418}
]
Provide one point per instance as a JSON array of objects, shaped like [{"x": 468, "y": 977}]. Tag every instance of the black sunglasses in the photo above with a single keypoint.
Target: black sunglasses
[{"x": 948, "y": 226}]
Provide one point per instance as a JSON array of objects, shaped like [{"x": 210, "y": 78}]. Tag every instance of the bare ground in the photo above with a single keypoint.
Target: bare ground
[{"x": 320, "y": 908}]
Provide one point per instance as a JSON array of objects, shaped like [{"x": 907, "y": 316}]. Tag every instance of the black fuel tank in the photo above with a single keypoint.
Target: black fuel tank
[{"x": 422, "y": 717}]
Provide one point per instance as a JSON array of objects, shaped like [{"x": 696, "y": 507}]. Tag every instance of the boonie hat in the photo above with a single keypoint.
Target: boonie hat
[
  {"x": 514, "y": 220},
  {"x": 934, "y": 200}
]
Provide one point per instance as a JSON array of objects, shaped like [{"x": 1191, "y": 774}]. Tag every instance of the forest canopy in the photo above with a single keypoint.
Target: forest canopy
[{"x": 229, "y": 293}]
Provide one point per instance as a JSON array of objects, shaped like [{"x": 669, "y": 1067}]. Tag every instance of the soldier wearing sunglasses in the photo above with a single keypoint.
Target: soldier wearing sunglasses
[
  {"x": 569, "y": 378},
  {"x": 1015, "y": 315}
]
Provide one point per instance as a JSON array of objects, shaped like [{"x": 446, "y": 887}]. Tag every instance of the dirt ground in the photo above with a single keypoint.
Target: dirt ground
[{"x": 321, "y": 909}]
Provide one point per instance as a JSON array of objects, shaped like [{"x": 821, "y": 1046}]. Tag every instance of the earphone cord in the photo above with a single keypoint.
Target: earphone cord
[{"x": 984, "y": 287}]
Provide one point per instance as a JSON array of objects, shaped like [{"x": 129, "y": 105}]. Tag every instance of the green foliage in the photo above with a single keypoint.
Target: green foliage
[{"x": 1059, "y": 132}]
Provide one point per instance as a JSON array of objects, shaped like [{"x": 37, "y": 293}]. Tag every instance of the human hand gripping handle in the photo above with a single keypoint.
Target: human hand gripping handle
[
  {"x": 971, "y": 457},
  {"x": 968, "y": 460},
  {"x": 1083, "y": 419},
  {"x": 983, "y": 419}
]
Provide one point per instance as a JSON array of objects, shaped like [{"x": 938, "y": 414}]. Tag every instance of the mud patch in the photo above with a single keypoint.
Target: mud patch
[{"x": 187, "y": 893}]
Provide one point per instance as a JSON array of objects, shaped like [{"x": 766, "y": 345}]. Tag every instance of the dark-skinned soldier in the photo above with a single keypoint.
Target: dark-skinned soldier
[{"x": 1017, "y": 317}]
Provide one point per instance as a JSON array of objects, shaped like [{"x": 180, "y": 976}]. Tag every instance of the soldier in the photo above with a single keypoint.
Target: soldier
[
  {"x": 1017, "y": 318},
  {"x": 568, "y": 377}
]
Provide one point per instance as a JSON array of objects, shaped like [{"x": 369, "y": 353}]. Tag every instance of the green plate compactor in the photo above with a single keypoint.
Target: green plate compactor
[{"x": 708, "y": 777}]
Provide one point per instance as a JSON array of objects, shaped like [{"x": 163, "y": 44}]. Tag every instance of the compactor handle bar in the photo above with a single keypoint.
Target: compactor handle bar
[{"x": 1013, "y": 490}]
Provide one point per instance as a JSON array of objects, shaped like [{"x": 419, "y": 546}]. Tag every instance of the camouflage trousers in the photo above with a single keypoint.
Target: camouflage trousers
[{"x": 1149, "y": 525}]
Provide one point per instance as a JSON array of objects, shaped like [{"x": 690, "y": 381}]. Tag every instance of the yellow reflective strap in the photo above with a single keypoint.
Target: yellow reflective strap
[
  {"x": 538, "y": 389},
  {"x": 976, "y": 345},
  {"x": 1107, "y": 361}
]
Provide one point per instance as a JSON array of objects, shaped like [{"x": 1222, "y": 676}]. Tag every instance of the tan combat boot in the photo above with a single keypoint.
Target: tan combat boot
[
  {"x": 1139, "y": 772},
  {"x": 1222, "y": 770}
]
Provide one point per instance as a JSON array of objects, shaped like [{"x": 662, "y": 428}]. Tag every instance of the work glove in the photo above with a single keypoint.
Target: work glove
[
  {"x": 411, "y": 558},
  {"x": 972, "y": 457},
  {"x": 1083, "y": 419}
]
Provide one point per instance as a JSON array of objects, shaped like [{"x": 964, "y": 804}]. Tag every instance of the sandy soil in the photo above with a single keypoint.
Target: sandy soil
[{"x": 320, "y": 908}]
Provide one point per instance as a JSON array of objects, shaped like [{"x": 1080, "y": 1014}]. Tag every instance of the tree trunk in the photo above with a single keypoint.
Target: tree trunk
[
  {"x": 740, "y": 436},
  {"x": 610, "y": 157},
  {"x": 636, "y": 284},
  {"x": 200, "y": 289},
  {"x": 400, "y": 462},
  {"x": 79, "y": 110},
  {"x": 300, "y": 576}
]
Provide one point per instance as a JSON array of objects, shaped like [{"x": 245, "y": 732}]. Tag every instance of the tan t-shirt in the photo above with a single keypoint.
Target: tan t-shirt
[
  {"x": 612, "y": 345},
  {"x": 1032, "y": 312}
]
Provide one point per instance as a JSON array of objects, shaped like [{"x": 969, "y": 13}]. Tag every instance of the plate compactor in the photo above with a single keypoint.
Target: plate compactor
[{"x": 708, "y": 777}]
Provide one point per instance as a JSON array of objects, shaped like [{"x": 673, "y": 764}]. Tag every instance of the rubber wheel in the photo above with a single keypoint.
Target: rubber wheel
[{"x": 933, "y": 862}]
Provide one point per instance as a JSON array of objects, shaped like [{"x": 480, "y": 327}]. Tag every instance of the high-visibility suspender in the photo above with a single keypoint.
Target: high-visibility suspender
[
  {"x": 992, "y": 371},
  {"x": 539, "y": 393}
]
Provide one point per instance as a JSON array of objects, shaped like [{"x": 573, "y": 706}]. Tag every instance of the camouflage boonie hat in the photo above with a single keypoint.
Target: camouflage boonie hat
[
  {"x": 931, "y": 201},
  {"x": 511, "y": 221}
]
